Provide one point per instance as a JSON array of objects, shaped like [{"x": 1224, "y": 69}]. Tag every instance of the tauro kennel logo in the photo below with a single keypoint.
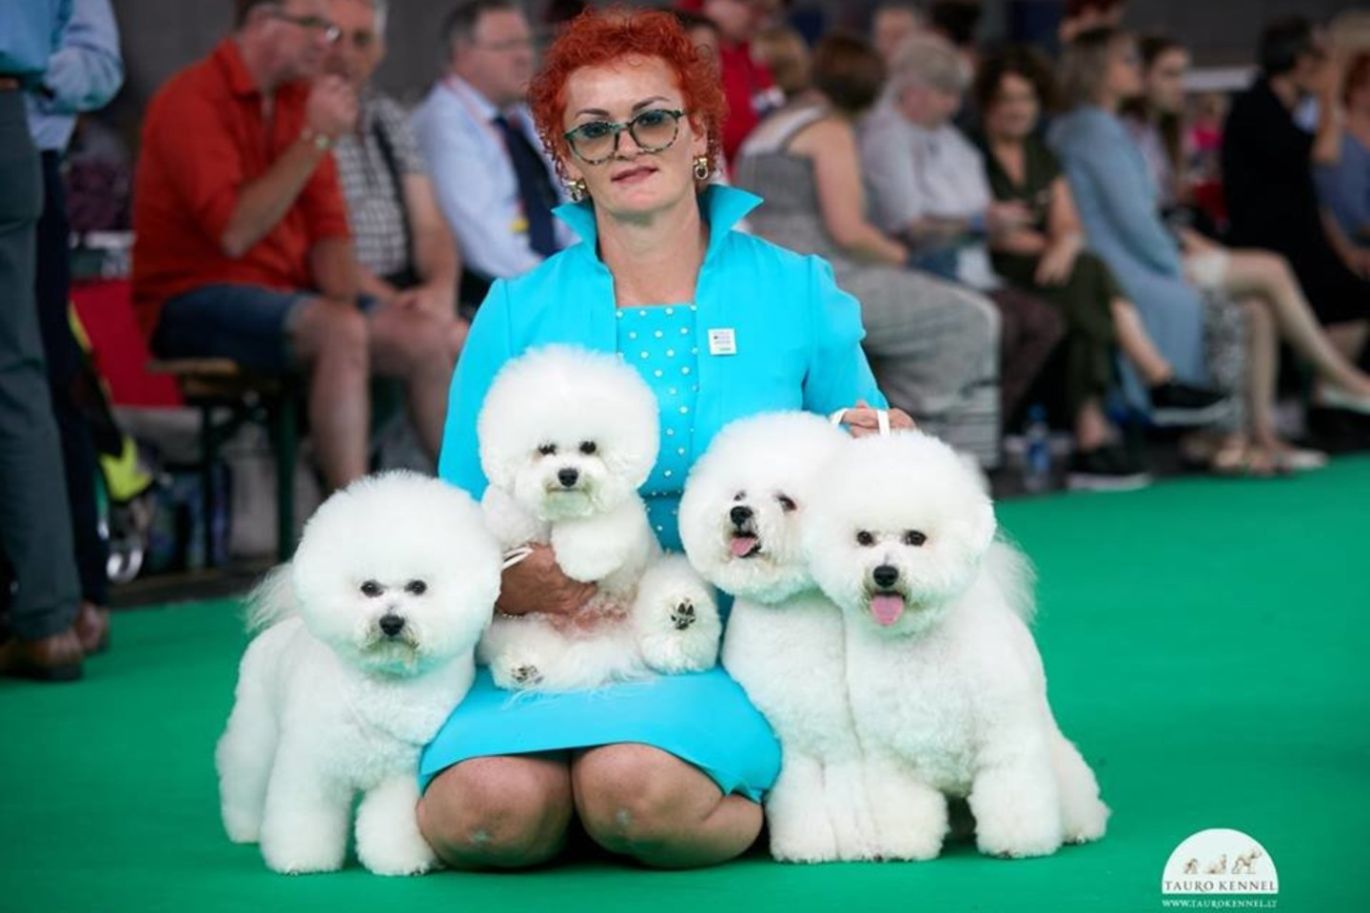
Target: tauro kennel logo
[{"x": 1219, "y": 861}]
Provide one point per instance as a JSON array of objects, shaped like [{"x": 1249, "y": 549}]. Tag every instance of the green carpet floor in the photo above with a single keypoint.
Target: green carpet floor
[{"x": 1206, "y": 644}]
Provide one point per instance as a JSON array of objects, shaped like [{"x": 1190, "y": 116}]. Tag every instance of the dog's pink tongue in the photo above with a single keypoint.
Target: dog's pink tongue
[
  {"x": 742, "y": 546},
  {"x": 887, "y": 608}
]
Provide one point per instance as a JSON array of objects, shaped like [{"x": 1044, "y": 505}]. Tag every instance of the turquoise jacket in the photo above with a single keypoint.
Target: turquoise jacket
[{"x": 797, "y": 335}]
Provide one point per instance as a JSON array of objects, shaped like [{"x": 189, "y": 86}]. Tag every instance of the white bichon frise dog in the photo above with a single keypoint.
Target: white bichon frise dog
[
  {"x": 946, "y": 685},
  {"x": 566, "y": 438},
  {"x": 371, "y": 643},
  {"x": 741, "y": 520}
]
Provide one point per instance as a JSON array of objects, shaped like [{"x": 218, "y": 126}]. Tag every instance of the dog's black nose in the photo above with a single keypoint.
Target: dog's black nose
[
  {"x": 885, "y": 575},
  {"x": 567, "y": 477},
  {"x": 740, "y": 515},
  {"x": 391, "y": 624}
]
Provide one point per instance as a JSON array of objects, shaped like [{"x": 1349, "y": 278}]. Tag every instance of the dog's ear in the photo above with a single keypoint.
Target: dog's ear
[{"x": 976, "y": 530}]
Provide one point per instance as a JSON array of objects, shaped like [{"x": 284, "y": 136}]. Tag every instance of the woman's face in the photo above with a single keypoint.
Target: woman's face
[
  {"x": 1124, "y": 76},
  {"x": 1013, "y": 112},
  {"x": 631, "y": 180},
  {"x": 1165, "y": 80}
]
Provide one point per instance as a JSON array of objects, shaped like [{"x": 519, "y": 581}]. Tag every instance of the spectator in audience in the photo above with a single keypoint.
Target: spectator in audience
[
  {"x": 242, "y": 247},
  {"x": 493, "y": 182},
  {"x": 35, "y": 531},
  {"x": 82, "y": 75},
  {"x": 784, "y": 54},
  {"x": 1081, "y": 16},
  {"x": 1157, "y": 125},
  {"x": 1047, "y": 258},
  {"x": 405, "y": 254},
  {"x": 928, "y": 187},
  {"x": 891, "y": 24},
  {"x": 1344, "y": 185},
  {"x": 1118, "y": 207},
  {"x": 932, "y": 344},
  {"x": 957, "y": 21},
  {"x": 703, "y": 31},
  {"x": 1268, "y": 166},
  {"x": 747, "y": 84}
]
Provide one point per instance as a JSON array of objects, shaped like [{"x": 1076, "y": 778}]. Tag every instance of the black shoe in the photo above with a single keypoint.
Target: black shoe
[
  {"x": 1178, "y": 404},
  {"x": 1107, "y": 468}
]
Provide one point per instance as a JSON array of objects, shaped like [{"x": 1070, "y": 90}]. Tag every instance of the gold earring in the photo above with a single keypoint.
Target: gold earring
[
  {"x": 577, "y": 190},
  {"x": 701, "y": 168}
]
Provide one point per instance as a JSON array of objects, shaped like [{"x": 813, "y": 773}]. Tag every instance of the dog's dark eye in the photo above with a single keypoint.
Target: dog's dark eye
[
  {"x": 588, "y": 447},
  {"x": 416, "y": 587},
  {"x": 914, "y": 537},
  {"x": 786, "y": 503},
  {"x": 371, "y": 589},
  {"x": 739, "y": 496},
  {"x": 865, "y": 538},
  {"x": 547, "y": 449}
]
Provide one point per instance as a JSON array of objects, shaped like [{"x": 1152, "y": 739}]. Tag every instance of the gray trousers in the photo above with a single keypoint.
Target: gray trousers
[{"x": 35, "y": 529}]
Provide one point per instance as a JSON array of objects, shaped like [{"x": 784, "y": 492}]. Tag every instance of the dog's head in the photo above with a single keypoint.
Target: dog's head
[
  {"x": 568, "y": 433},
  {"x": 747, "y": 498},
  {"x": 397, "y": 574},
  {"x": 898, "y": 530}
]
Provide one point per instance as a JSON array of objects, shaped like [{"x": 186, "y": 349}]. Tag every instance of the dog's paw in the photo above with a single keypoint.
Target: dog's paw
[
  {"x": 302, "y": 860},
  {"x": 242, "y": 829},
  {"x": 1011, "y": 836},
  {"x": 683, "y": 615},
  {"x": 1085, "y": 824},
  {"x": 399, "y": 861},
  {"x": 519, "y": 676}
]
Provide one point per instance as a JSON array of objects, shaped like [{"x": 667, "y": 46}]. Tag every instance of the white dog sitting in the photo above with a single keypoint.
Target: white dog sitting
[
  {"x": 371, "y": 643},
  {"x": 566, "y": 438},
  {"x": 740, "y": 519},
  {"x": 946, "y": 685}
]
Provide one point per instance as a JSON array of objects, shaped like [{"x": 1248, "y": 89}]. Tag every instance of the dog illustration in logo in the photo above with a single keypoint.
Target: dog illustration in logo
[
  {"x": 1191, "y": 867},
  {"x": 1243, "y": 863},
  {"x": 1219, "y": 867}
]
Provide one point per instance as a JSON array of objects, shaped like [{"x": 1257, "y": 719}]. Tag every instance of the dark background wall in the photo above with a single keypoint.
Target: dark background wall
[{"x": 160, "y": 36}]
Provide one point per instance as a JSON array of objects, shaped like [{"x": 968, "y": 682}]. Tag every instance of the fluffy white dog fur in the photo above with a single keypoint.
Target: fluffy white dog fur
[
  {"x": 946, "y": 685},
  {"x": 741, "y": 520},
  {"x": 371, "y": 641},
  {"x": 566, "y": 438}
]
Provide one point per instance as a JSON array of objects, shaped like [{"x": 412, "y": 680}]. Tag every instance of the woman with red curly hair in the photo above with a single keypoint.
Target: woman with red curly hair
[{"x": 721, "y": 325}]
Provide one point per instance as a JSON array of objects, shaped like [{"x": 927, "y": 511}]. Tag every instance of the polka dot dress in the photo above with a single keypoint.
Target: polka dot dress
[{"x": 660, "y": 343}]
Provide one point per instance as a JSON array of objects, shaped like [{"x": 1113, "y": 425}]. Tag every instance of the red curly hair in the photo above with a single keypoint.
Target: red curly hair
[{"x": 595, "y": 38}]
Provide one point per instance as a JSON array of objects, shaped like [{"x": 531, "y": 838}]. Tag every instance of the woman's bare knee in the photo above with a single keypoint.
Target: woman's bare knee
[
  {"x": 503, "y": 812},
  {"x": 648, "y": 804}
]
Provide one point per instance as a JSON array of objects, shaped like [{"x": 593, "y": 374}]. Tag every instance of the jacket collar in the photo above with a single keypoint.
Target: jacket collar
[{"x": 722, "y": 207}]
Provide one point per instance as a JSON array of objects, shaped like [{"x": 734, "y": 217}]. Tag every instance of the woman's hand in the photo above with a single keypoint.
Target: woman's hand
[
  {"x": 1058, "y": 262},
  {"x": 536, "y": 584},
  {"x": 862, "y": 420}
]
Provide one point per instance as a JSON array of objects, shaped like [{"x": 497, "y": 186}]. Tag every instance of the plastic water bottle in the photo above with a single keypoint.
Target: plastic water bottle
[{"x": 1037, "y": 451}]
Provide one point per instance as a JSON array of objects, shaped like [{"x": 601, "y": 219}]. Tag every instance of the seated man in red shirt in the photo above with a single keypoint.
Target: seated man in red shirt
[{"x": 242, "y": 248}]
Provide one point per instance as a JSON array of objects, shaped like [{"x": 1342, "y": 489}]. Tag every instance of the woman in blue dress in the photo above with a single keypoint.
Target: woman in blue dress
[{"x": 722, "y": 325}]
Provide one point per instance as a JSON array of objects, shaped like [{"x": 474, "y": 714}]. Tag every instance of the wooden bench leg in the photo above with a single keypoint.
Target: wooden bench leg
[
  {"x": 209, "y": 502},
  {"x": 286, "y": 432}
]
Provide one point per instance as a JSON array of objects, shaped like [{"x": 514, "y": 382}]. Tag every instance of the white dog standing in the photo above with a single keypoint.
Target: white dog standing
[
  {"x": 371, "y": 642},
  {"x": 946, "y": 684},
  {"x": 741, "y": 521},
  {"x": 566, "y": 438}
]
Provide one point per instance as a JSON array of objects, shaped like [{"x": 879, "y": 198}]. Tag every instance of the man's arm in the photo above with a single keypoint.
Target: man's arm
[
  {"x": 264, "y": 202},
  {"x": 334, "y": 267},
  {"x": 435, "y": 250},
  {"x": 85, "y": 72},
  {"x": 261, "y": 204}
]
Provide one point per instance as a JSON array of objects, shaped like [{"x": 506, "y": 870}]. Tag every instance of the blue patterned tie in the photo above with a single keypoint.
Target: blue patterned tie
[{"x": 535, "y": 187}]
